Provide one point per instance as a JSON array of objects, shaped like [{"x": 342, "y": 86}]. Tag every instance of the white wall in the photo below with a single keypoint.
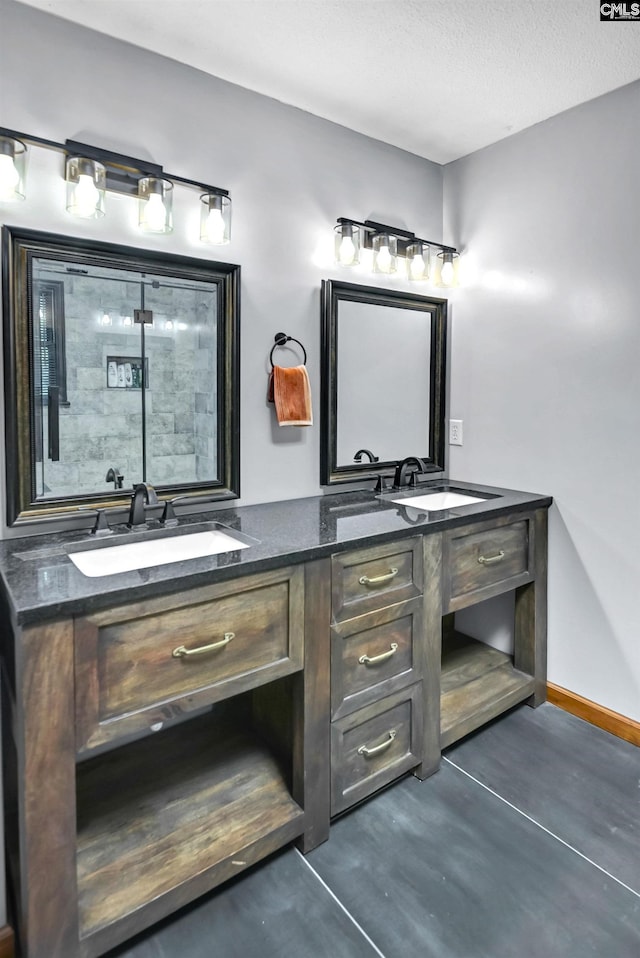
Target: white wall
[
  {"x": 290, "y": 175},
  {"x": 545, "y": 358}
]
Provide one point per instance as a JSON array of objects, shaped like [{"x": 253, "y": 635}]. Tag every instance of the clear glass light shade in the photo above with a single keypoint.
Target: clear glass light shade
[
  {"x": 155, "y": 201},
  {"x": 215, "y": 219},
  {"x": 448, "y": 267},
  {"x": 347, "y": 244},
  {"x": 418, "y": 261},
  {"x": 385, "y": 253},
  {"x": 86, "y": 180},
  {"x": 13, "y": 168}
]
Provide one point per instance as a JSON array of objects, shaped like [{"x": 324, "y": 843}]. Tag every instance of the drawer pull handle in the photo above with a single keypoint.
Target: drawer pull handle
[
  {"x": 379, "y": 579},
  {"x": 377, "y": 659},
  {"x": 487, "y": 560},
  {"x": 377, "y": 749},
  {"x": 182, "y": 652}
]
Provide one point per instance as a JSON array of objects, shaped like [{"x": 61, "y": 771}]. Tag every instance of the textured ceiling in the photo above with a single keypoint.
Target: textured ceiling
[{"x": 440, "y": 78}]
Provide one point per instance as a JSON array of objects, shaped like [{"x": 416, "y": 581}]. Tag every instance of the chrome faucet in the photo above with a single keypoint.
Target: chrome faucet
[
  {"x": 143, "y": 494},
  {"x": 403, "y": 468}
]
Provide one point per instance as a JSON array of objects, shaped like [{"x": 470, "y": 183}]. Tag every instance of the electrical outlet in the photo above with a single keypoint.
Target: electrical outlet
[{"x": 455, "y": 432}]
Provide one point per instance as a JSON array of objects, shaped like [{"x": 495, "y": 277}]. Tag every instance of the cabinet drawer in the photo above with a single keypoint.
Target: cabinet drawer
[
  {"x": 374, "y": 655},
  {"x": 374, "y": 746},
  {"x": 485, "y": 561},
  {"x": 367, "y": 579},
  {"x": 141, "y": 665}
]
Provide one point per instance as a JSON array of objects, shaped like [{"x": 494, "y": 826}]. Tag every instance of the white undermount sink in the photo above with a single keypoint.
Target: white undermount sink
[
  {"x": 436, "y": 501},
  {"x": 111, "y": 559}
]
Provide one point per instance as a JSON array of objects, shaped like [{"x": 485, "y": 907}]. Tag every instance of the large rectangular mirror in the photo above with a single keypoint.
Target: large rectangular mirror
[
  {"x": 121, "y": 366},
  {"x": 383, "y": 380}
]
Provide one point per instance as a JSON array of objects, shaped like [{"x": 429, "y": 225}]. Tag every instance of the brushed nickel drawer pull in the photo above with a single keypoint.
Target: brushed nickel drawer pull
[
  {"x": 379, "y": 579},
  {"x": 376, "y": 749},
  {"x": 487, "y": 560},
  {"x": 377, "y": 659},
  {"x": 182, "y": 652}
]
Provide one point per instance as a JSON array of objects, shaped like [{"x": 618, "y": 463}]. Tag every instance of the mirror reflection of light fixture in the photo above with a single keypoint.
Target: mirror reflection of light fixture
[
  {"x": 90, "y": 171},
  {"x": 387, "y": 244},
  {"x": 347, "y": 244},
  {"x": 215, "y": 219},
  {"x": 385, "y": 253},
  {"x": 13, "y": 162},
  {"x": 447, "y": 269},
  {"x": 155, "y": 204},
  {"x": 418, "y": 255},
  {"x": 85, "y": 187}
]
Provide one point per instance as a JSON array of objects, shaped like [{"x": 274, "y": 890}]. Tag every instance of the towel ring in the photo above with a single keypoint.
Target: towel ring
[{"x": 280, "y": 340}]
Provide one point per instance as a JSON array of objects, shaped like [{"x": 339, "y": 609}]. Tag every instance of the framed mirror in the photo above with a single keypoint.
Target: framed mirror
[
  {"x": 121, "y": 366},
  {"x": 383, "y": 380}
]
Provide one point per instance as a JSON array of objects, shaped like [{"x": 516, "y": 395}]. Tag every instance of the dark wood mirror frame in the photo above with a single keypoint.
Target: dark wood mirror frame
[
  {"x": 333, "y": 293},
  {"x": 19, "y": 247}
]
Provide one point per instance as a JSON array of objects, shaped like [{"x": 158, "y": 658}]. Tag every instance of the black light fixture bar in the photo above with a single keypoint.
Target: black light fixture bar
[
  {"x": 122, "y": 172},
  {"x": 370, "y": 228}
]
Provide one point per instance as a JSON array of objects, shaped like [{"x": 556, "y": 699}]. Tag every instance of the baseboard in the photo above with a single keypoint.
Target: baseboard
[
  {"x": 6, "y": 942},
  {"x": 604, "y": 718}
]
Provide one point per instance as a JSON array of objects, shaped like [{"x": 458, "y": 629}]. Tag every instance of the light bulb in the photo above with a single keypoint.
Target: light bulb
[
  {"x": 383, "y": 259},
  {"x": 106, "y": 320},
  {"x": 169, "y": 324},
  {"x": 347, "y": 253},
  {"x": 215, "y": 227},
  {"x": 127, "y": 321},
  {"x": 86, "y": 196},
  {"x": 9, "y": 177},
  {"x": 446, "y": 273},
  {"x": 155, "y": 213},
  {"x": 417, "y": 266}
]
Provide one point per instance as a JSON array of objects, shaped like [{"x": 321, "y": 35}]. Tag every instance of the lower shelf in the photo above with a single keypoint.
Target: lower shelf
[
  {"x": 195, "y": 804},
  {"x": 477, "y": 683}
]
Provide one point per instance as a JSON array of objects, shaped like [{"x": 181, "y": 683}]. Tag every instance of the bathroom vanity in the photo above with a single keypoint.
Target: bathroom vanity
[{"x": 168, "y": 727}]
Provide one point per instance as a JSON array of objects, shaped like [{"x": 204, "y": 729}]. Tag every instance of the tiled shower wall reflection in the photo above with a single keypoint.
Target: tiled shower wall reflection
[{"x": 101, "y": 427}]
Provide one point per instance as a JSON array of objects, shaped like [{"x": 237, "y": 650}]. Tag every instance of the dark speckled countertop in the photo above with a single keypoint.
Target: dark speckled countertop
[{"x": 40, "y": 582}]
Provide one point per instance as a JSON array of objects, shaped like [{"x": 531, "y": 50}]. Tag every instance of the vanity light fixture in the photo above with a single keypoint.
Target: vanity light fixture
[
  {"x": 385, "y": 253},
  {"x": 347, "y": 243},
  {"x": 389, "y": 244},
  {"x": 418, "y": 260},
  {"x": 91, "y": 172},
  {"x": 155, "y": 204},
  {"x": 13, "y": 161},
  {"x": 215, "y": 218},
  {"x": 447, "y": 269},
  {"x": 85, "y": 187}
]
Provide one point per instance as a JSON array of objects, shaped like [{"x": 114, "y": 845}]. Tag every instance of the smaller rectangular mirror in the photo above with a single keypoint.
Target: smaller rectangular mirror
[{"x": 383, "y": 380}]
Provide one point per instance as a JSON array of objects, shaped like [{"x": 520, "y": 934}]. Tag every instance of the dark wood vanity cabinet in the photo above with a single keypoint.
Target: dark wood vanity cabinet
[
  {"x": 156, "y": 748},
  {"x": 138, "y": 778},
  {"x": 452, "y": 683}
]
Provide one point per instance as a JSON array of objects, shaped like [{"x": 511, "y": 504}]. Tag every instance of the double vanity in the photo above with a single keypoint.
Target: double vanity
[{"x": 171, "y": 717}]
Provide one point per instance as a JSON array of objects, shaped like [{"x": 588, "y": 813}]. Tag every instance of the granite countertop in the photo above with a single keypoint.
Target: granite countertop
[{"x": 40, "y": 582}]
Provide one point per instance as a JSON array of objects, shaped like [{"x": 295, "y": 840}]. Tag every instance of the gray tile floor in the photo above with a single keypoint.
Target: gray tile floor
[{"x": 526, "y": 844}]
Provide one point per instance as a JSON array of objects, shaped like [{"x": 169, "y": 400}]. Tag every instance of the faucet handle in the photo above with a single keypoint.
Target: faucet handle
[
  {"x": 101, "y": 525},
  {"x": 168, "y": 517}
]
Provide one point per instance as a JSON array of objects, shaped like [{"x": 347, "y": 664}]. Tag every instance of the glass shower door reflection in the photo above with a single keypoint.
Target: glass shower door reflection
[{"x": 180, "y": 347}]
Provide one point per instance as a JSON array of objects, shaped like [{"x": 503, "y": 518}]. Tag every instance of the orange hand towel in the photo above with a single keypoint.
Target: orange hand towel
[{"x": 289, "y": 389}]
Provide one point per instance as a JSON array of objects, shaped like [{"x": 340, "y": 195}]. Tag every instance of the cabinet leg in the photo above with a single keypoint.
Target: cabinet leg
[
  {"x": 46, "y": 794},
  {"x": 432, "y": 651},
  {"x": 312, "y": 744},
  {"x": 530, "y": 639}
]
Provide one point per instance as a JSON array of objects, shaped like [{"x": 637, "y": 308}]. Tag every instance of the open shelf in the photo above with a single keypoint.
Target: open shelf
[
  {"x": 192, "y": 805},
  {"x": 477, "y": 683}
]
